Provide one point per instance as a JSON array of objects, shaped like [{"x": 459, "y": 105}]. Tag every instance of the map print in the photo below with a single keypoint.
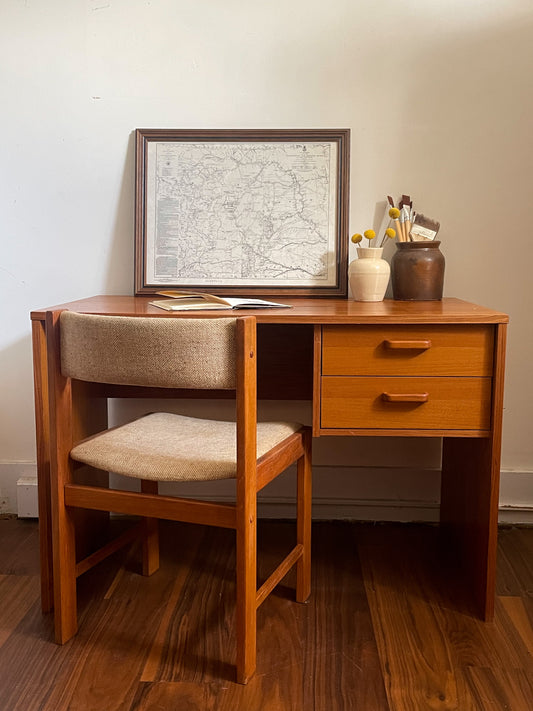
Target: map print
[{"x": 234, "y": 213}]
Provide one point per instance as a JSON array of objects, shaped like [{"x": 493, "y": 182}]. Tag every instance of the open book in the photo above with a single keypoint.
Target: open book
[{"x": 190, "y": 301}]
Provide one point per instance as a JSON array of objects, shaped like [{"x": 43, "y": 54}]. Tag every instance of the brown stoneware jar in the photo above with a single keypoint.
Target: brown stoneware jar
[{"x": 417, "y": 271}]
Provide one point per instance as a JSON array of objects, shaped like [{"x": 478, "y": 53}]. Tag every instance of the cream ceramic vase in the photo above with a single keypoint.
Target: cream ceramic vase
[{"x": 369, "y": 274}]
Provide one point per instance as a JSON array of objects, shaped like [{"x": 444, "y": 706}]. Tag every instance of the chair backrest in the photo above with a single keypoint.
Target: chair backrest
[{"x": 197, "y": 353}]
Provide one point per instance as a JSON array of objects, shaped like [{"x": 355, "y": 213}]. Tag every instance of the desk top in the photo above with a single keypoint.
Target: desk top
[{"x": 304, "y": 310}]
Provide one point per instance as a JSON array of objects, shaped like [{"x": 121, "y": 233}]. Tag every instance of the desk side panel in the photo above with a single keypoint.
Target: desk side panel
[
  {"x": 89, "y": 416},
  {"x": 42, "y": 429},
  {"x": 470, "y": 493}
]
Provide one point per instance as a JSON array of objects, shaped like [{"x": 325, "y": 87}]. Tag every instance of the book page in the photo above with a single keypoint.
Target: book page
[
  {"x": 192, "y": 304},
  {"x": 173, "y": 294}
]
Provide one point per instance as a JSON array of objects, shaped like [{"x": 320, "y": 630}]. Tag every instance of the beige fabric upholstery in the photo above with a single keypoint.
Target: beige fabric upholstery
[
  {"x": 169, "y": 447},
  {"x": 158, "y": 352}
]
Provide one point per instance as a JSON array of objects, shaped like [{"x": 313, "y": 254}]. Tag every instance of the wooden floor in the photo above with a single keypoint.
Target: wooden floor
[{"x": 384, "y": 629}]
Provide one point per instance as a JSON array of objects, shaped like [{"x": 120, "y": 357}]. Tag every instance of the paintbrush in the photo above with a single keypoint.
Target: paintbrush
[
  {"x": 408, "y": 215},
  {"x": 424, "y": 228},
  {"x": 405, "y": 216},
  {"x": 394, "y": 214},
  {"x": 398, "y": 222},
  {"x": 413, "y": 218}
]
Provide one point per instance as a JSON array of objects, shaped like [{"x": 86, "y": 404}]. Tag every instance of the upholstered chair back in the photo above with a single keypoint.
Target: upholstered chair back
[{"x": 154, "y": 352}]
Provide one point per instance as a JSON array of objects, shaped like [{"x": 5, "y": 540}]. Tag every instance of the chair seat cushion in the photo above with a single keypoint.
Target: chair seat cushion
[{"x": 168, "y": 447}]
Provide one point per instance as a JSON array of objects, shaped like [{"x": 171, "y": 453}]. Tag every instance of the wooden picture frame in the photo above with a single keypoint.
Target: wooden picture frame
[{"x": 241, "y": 212}]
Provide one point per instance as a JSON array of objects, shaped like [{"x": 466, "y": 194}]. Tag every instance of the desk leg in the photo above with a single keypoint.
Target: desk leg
[
  {"x": 90, "y": 416},
  {"x": 469, "y": 514},
  {"x": 470, "y": 493},
  {"x": 42, "y": 428}
]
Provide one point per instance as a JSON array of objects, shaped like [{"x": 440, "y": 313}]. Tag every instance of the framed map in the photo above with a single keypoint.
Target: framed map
[{"x": 242, "y": 212}]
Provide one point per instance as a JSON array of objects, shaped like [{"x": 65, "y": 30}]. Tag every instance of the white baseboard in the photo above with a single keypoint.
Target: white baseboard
[
  {"x": 343, "y": 493},
  {"x": 516, "y": 497},
  {"x": 10, "y": 473}
]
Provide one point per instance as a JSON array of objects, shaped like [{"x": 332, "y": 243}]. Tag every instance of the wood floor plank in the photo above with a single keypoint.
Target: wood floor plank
[
  {"x": 474, "y": 643},
  {"x": 319, "y": 656},
  {"x": 434, "y": 656},
  {"x": 500, "y": 689},
  {"x": 115, "y": 637},
  {"x": 198, "y": 642},
  {"x": 158, "y": 648},
  {"x": 515, "y": 608},
  {"x": 20, "y": 547},
  {"x": 99, "y": 663},
  {"x": 167, "y": 695},
  {"x": 346, "y": 664},
  {"x": 416, "y": 655},
  {"x": 17, "y": 594},
  {"x": 29, "y": 663},
  {"x": 383, "y": 630},
  {"x": 335, "y": 622},
  {"x": 515, "y": 561}
]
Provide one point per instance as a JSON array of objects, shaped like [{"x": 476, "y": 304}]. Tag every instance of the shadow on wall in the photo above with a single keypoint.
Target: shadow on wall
[{"x": 120, "y": 269}]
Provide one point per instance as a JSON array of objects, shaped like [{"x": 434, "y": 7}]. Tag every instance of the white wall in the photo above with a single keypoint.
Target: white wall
[{"x": 437, "y": 94}]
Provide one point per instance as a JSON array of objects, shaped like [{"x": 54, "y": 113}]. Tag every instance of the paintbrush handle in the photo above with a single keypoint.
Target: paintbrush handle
[{"x": 399, "y": 230}]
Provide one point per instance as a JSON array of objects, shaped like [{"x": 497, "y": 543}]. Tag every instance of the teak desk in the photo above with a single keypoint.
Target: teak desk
[{"x": 411, "y": 369}]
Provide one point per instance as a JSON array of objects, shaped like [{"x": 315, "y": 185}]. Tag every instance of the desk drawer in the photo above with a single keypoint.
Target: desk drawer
[
  {"x": 406, "y": 403},
  {"x": 407, "y": 350}
]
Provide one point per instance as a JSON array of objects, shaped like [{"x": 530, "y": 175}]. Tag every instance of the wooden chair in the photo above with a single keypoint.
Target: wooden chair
[{"x": 198, "y": 353}]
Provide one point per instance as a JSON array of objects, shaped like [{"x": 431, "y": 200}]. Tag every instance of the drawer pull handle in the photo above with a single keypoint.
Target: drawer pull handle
[
  {"x": 405, "y": 397},
  {"x": 421, "y": 345}
]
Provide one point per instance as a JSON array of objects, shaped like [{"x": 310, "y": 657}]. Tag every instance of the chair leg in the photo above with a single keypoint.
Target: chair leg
[
  {"x": 304, "y": 496},
  {"x": 246, "y": 607},
  {"x": 65, "y": 606},
  {"x": 150, "y": 548}
]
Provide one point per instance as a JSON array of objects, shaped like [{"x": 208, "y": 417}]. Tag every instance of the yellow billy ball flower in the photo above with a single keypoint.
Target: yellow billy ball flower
[
  {"x": 369, "y": 234},
  {"x": 357, "y": 238},
  {"x": 394, "y": 213},
  {"x": 390, "y": 232}
]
